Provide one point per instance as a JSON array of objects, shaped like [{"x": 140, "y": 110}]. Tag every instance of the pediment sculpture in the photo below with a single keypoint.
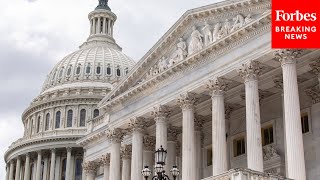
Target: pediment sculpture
[{"x": 200, "y": 37}]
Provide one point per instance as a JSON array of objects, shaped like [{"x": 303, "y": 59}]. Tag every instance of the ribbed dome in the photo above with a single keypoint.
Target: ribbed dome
[{"x": 92, "y": 66}]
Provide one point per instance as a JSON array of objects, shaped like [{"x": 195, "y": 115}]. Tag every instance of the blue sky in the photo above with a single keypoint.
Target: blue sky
[{"x": 36, "y": 34}]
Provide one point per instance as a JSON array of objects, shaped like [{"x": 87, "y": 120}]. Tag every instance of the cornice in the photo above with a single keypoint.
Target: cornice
[
  {"x": 93, "y": 137},
  {"x": 217, "y": 49},
  {"x": 30, "y": 142},
  {"x": 218, "y": 10}
]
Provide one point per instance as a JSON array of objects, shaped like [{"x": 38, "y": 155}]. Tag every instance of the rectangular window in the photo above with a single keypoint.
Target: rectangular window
[
  {"x": 209, "y": 156},
  {"x": 267, "y": 135},
  {"x": 239, "y": 147},
  {"x": 305, "y": 122}
]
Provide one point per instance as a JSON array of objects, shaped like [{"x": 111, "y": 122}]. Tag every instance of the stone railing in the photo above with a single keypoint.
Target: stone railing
[
  {"x": 245, "y": 174},
  {"x": 97, "y": 121}
]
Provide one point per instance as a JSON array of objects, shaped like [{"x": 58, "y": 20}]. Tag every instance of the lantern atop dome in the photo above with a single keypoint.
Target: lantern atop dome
[{"x": 103, "y": 4}]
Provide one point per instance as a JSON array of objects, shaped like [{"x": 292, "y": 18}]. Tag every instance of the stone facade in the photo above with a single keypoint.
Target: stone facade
[{"x": 215, "y": 95}]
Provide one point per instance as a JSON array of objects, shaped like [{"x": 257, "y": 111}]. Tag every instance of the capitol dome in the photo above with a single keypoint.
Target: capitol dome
[
  {"x": 98, "y": 65},
  {"x": 100, "y": 61},
  {"x": 66, "y": 108}
]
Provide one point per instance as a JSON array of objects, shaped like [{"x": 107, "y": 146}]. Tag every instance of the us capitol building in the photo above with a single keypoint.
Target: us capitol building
[{"x": 211, "y": 92}]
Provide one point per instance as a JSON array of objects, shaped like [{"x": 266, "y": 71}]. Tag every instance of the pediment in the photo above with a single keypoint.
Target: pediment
[{"x": 196, "y": 32}]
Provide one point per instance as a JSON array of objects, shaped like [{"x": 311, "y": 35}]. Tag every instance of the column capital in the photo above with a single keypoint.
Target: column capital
[
  {"x": 173, "y": 133},
  {"x": 126, "y": 151},
  {"x": 39, "y": 152},
  {"x": 287, "y": 56},
  {"x": 217, "y": 86},
  {"x": 149, "y": 143},
  {"x": 137, "y": 124},
  {"x": 105, "y": 159},
  {"x": 28, "y": 154},
  {"x": 90, "y": 167},
  {"x": 160, "y": 111},
  {"x": 250, "y": 71},
  {"x": 187, "y": 101},
  {"x": 53, "y": 150},
  {"x": 115, "y": 135},
  {"x": 69, "y": 149}
]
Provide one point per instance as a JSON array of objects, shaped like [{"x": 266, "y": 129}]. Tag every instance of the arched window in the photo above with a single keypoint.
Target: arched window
[
  {"x": 78, "y": 70},
  {"x": 118, "y": 72},
  {"x": 38, "y": 124},
  {"x": 78, "y": 170},
  {"x": 108, "y": 70},
  {"x": 47, "y": 122},
  {"x": 69, "y": 71},
  {"x": 63, "y": 169},
  {"x": 61, "y": 73},
  {"x": 96, "y": 113},
  {"x": 98, "y": 70},
  {"x": 58, "y": 118},
  {"x": 88, "y": 69},
  {"x": 83, "y": 117},
  {"x": 69, "y": 118}
]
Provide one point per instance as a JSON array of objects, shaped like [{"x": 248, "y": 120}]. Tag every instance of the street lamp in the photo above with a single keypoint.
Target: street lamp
[{"x": 160, "y": 155}]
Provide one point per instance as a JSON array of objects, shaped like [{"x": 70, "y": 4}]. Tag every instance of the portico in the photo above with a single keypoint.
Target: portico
[{"x": 247, "y": 89}]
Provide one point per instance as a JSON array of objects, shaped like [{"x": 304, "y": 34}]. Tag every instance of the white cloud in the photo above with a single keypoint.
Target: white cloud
[{"x": 36, "y": 34}]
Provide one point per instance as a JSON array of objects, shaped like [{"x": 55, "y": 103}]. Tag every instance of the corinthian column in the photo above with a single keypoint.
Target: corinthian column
[
  {"x": 173, "y": 133},
  {"x": 149, "y": 143},
  {"x": 115, "y": 136},
  {"x": 7, "y": 171},
  {"x": 219, "y": 142},
  {"x": 38, "y": 172},
  {"x": 137, "y": 126},
  {"x": 186, "y": 102},
  {"x": 126, "y": 161},
  {"x": 250, "y": 73},
  {"x": 293, "y": 130},
  {"x": 27, "y": 167},
  {"x": 68, "y": 169},
  {"x": 228, "y": 111},
  {"x": 11, "y": 170},
  {"x": 18, "y": 166},
  {"x": 105, "y": 161},
  {"x": 90, "y": 168},
  {"x": 198, "y": 125},
  {"x": 52, "y": 163},
  {"x": 160, "y": 114}
]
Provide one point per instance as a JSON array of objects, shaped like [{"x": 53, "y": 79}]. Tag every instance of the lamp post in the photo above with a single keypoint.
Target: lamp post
[{"x": 160, "y": 155}]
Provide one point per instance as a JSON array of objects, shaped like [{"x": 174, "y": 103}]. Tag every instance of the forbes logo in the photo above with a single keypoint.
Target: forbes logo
[{"x": 281, "y": 15}]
